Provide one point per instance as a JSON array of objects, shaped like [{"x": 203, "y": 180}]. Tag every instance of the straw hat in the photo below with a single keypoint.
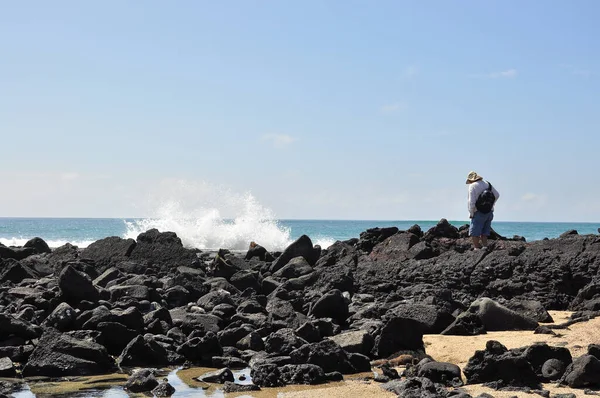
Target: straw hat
[{"x": 472, "y": 177}]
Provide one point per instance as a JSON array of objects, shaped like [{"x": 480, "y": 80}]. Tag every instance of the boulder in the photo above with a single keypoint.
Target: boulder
[
  {"x": 326, "y": 354},
  {"x": 300, "y": 247},
  {"x": 13, "y": 271},
  {"x": 62, "y": 318},
  {"x": 38, "y": 244},
  {"x": 115, "y": 336},
  {"x": 107, "y": 276},
  {"x": 164, "y": 389},
  {"x": 296, "y": 267},
  {"x": 583, "y": 372},
  {"x": 443, "y": 229},
  {"x": 108, "y": 251},
  {"x": 214, "y": 298},
  {"x": 373, "y": 236},
  {"x": 415, "y": 387},
  {"x": 497, "y": 364},
  {"x": 266, "y": 375},
  {"x": 201, "y": 350},
  {"x": 540, "y": 353},
  {"x": 217, "y": 376},
  {"x": 283, "y": 342},
  {"x": 77, "y": 286},
  {"x": 141, "y": 381},
  {"x": 143, "y": 351},
  {"x": 432, "y": 320},
  {"x": 245, "y": 279},
  {"x": 58, "y": 355},
  {"x": 230, "y": 387},
  {"x": 162, "y": 249},
  {"x": 444, "y": 373},
  {"x": 7, "y": 368},
  {"x": 399, "y": 334},
  {"x": 396, "y": 247},
  {"x": 302, "y": 374},
  {"x": 11, "y": 326},
  {"x": 331, "y": 305},
  {"x": 357, "y": 341}
]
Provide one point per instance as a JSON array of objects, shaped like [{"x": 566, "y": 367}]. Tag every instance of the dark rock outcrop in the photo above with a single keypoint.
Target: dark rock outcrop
[{"x": 59, "y": 354}]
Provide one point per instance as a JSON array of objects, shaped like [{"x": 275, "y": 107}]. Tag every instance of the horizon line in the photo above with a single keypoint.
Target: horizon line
[{"x": 300, "y": 219}]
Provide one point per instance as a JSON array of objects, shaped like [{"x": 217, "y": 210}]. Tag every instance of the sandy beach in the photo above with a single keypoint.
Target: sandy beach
[{"x": 458, "y": 350}]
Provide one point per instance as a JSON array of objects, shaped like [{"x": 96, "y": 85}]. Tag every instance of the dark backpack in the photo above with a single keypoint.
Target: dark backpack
[{"x": 485, "y": 201}]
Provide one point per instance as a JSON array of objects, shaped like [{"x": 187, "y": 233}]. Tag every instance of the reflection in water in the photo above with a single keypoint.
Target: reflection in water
[{"x": 182, "y": 390}]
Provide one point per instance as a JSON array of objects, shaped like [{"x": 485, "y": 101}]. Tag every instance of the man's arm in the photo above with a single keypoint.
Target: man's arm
[{"x": 471, "y": 200}]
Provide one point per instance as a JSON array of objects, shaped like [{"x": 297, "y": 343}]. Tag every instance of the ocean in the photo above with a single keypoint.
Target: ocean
[{"x": 211, "y": 232}]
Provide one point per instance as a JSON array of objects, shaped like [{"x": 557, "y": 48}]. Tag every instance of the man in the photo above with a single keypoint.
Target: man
[{"x": 481, "y": 210}]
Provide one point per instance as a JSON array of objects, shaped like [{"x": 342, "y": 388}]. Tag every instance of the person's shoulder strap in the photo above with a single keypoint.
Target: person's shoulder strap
[{"x": 489, "y": 185}]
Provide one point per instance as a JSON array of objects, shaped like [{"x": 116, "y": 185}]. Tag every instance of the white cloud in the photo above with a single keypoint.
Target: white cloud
[
  {"x": 395, "y": 107},
  {"x": 279, "y": 140},
  {"x": 530, "y": 198},
  {"x": 505, "y": 74},
  {"x": 574, "y": 70}
]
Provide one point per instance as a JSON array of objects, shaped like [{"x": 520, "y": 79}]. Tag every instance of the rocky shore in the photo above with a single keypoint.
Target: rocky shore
[{"x": 306, "y": 315}]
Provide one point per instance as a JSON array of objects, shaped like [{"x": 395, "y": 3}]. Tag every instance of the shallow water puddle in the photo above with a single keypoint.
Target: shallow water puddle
[
  {"x": 111, "y": 386},
  {"x": 105, "y": 386}
]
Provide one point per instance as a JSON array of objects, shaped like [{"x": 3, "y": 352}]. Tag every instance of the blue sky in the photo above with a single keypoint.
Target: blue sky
[{"x": 319, "y": 109}]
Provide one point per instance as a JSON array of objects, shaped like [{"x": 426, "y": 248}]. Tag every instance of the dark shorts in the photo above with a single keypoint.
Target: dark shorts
[{"x": 481, "y": 224}]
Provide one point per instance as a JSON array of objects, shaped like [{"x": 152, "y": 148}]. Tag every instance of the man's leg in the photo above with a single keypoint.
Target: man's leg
[
  {"x": 475, "y": 229},
  {"x": 487, "y": 228}
]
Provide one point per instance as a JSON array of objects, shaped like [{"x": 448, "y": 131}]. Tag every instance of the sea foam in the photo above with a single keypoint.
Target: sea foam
[
  {"x": 195, "y": 214},
  {"x": 52, "y": 243}
]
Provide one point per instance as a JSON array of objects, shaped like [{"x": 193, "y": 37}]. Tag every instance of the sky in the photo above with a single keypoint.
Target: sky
[{"x": 372, "y": 110}]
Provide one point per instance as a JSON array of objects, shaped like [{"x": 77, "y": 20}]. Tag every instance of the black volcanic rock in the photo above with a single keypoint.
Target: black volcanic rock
[
  {"x": 371, "y": 237},
  {"x": 399, "y": 334},
  {"x": 59, "y": 354},
  {"x": 13, "y": 271},
  {"x": 583, "y": 372},
  {"x": 141, "y": 381},
  {"x": 62, "y": 318},
  {"x": 38, "y": 244},
  {"x": 201, "y": 350},
  {"x": 432, "y": 320},
  {"x": 443, "y": 229},
  {"x": 77, "y": 286},
  {"x": 11, "y": 326},
  {"x": 302, "y": 374},
  {"x": 327, "y": 354},
  {"x": 497, "y": 364},
  {"x": 331, "y": 305},
  {"x": 108, "y": 251},
  {"x": 300, "y": 247},
  {"x": 162, "y": 249},
  {"x": 540, "y": 353},
  {"x": 143, "y": 351}
]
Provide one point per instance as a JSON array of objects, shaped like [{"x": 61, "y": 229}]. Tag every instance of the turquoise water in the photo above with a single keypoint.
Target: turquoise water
[{"x": 236, "y": 234}]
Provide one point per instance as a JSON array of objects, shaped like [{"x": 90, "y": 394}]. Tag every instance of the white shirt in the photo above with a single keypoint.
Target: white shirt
[{"x": 475, "y": 189}]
